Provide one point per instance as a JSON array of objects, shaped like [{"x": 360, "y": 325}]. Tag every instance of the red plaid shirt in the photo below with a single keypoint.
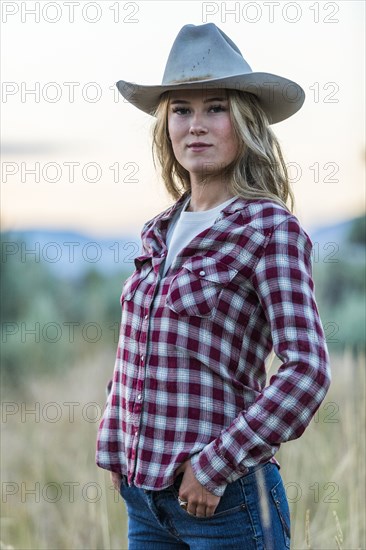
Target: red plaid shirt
[{"x": 189, "y": 378}]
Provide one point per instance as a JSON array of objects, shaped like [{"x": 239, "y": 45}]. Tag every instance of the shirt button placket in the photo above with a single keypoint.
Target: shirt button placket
[{"x": 140, "y": 380}]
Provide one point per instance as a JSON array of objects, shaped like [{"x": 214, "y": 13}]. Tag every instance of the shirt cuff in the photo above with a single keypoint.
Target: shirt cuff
[
  {"x": 228, "y": 457},
  {"x": 212, "y": 471}
]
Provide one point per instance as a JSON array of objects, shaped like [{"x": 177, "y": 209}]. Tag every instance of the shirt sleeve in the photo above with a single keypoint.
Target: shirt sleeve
[{"x": 283, "y": 282}]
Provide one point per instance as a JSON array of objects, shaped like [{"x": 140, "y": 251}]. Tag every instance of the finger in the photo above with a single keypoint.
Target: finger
[
  {"x": 191, "y": 509},
  {"x": 116, "y": 480},
  {"x": 181, "y": 468},
  {"x": 210, "y": 510},
  {"x": 201, "y": 511}
]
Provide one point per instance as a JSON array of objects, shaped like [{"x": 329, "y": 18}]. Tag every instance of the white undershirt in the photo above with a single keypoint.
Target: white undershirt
[{"x": 186, "y": 226}]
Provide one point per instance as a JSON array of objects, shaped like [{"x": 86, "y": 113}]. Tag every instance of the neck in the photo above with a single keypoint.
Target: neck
[{"x": 205, "y": 196}]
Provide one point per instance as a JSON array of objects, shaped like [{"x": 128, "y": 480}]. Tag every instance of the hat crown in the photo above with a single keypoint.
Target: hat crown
[
  {"x": 202, "y": 52},
  {"x": 202, "y": 57}
]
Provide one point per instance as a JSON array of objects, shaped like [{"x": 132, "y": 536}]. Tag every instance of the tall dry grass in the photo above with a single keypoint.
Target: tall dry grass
[{"x": 54, "y": 497}]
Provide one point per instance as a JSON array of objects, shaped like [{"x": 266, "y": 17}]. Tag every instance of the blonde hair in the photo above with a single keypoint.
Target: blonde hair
[{"x": 258, "y": 171}]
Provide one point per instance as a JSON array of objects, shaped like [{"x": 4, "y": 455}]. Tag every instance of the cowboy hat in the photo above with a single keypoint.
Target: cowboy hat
[{"x": 203, "y": 56}]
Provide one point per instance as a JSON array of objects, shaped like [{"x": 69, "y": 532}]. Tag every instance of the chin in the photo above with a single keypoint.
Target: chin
[{"x": 203, "y": 170}]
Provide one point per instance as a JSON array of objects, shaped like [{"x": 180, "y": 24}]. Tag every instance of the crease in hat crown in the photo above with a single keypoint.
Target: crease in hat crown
[
  {"x": 207, "y": 55},
  {"x": 203, "y": 56}
]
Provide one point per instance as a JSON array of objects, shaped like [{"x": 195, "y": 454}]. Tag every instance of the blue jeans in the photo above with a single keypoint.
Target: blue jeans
[{"x": 253, "y": 514}]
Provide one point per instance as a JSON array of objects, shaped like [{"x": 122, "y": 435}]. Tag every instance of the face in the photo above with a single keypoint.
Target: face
[{"x": 201, "y": 131}]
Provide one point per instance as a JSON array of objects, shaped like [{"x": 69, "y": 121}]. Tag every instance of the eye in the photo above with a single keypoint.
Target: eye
[
  {"x": 180, "y": 110},
  {"x": 217, "y": 108}
]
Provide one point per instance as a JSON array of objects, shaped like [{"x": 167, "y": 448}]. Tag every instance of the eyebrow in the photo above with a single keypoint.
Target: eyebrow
[{"x": 174, "y": 101}]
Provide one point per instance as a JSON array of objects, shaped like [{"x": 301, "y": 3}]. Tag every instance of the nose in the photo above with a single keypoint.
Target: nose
[{"x": 197, "y": 126}]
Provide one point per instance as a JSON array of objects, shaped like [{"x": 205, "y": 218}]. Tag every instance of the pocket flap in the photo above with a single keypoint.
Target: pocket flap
[{"x": 210, "y": 269}]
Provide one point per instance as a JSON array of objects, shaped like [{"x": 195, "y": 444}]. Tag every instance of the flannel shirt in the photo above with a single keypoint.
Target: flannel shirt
[{"x": 190, "y": 379}]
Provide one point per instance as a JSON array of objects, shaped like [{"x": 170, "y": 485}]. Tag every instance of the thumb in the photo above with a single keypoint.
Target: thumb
[{"x": 182, "y": 468}]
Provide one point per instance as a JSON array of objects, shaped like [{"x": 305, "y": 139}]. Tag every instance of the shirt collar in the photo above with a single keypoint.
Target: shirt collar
[
  {"x": 169, "y": 213},
  {"x": 155, "y": 235},
  {"x": 238, "y": 204}
]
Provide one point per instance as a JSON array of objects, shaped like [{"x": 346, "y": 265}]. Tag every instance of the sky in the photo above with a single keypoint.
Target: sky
[{"x": 76, "y": 156}]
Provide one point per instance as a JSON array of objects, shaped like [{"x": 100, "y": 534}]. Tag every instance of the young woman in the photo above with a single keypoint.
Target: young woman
[{"x": 190, "y": 428}]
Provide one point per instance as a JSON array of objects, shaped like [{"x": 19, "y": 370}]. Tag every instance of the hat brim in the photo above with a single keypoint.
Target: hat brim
[{"x": 279, "y": 97}]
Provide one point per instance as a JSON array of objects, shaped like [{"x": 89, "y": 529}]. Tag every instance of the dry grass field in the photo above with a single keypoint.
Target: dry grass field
[{"x": 54, "y": 497}]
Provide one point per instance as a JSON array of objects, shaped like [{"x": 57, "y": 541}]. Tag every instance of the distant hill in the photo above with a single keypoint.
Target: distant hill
[
  {"x": 327, "y": 233},
  {"x": 71, "y": 254},
  {"x": 337, "y": 241}
]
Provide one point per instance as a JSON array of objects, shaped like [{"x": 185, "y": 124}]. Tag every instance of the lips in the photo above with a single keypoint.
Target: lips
[{"x": 199, "y": 146}]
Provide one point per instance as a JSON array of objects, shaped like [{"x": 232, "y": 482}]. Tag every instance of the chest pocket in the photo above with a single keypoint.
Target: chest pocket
[
  {"x": 143, "y": 267},
  {"x": 197, "y": 287}
]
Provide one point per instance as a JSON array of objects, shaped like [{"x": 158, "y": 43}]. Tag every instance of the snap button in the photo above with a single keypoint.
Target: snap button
[{"x": 202, "y": 272}]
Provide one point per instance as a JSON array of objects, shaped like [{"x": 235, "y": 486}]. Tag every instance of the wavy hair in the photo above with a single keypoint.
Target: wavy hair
[{"x": 258, "y": 170}]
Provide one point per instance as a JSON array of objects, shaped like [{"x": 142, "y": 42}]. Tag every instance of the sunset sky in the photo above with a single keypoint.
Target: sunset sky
[{"x": 74, "y": 128}]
